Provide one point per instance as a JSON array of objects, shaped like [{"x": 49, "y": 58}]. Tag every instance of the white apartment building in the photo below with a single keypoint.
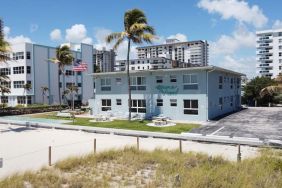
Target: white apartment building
[
  {"x": 29, "y": 64},
  {"x": 104, "y": 60},
  {"x": 144, "y": 64},
  {"x": 269, "y": 52},
  {"x": 194, "y": 52}
]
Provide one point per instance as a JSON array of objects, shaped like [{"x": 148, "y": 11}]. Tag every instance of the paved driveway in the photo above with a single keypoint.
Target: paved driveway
[{"x": 264, "y": 123}]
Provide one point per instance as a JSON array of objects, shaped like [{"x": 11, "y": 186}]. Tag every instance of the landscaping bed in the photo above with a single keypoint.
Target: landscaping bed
[{"x": 123, "y": 124}]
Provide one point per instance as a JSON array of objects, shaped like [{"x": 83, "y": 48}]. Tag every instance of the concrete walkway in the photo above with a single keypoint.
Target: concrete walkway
[{"x": 26, "y": 148}]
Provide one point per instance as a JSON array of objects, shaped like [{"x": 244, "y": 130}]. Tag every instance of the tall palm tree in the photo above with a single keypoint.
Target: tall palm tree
[
  {"x": 44, "y": 89},
  {"x": 4, "y": 51},
  {"x": 26, "y": 87},
  {"x": 65, "y": 94},
  {"x": 63, "y": 58},
  {"x": 136, "y": 30},
  {"x": 72, "y": 89},
  {"x": 4, "y": 90}
]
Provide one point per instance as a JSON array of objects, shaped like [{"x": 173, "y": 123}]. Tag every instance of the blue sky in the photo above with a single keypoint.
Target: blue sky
[{"x": 228, "y": 25}]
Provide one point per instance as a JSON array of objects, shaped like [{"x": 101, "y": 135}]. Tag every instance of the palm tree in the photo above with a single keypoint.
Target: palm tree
[
  {"x": 65, "y": 94},
  {"x": 4, "y": 45},
  {"x": 26, "y": 87},
  {"x": 44, "y": 89},
  {"x": 63, "y": 58},
  {"x": 72, "y": 89},
  {"x": 136, "y": 30},
  {"x": 4, "y": 90}
]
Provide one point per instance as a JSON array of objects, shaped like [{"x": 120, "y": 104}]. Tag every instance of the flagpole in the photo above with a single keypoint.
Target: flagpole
[{"x": 73, "y": 88}]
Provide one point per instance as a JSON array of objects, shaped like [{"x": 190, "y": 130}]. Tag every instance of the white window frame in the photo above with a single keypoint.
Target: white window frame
[
  {"x": 138, "y": 83},
  {"x": 195, "y": 110},
  {"x": 107, "y": 106},
  {"x": 190, "y": 84},
  {"x": 140, "y": 106},
  {"x": 159, "y": 79},
  {"x": 105, "y": 84},
  {"x": 21, "y": 99},
  {"x": 118, "y": 102},
  {"x": 18, "y": 70},
  {"x": 173, "y": 78},
  {"x": 173, "y": 102},
  {"x": 18, "y": 84}
]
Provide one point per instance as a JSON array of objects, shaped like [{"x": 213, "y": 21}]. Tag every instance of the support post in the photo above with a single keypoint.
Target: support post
[
  {"x": 180, "y": 146},
  {"x": 239, "y": 153},
  {"x": 50, "y": 156},
  {"x": 137, "y": 142},
  {"x": 94, "y": 145}
]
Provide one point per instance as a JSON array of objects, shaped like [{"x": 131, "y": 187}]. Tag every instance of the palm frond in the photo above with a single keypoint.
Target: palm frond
[{"x": 114, "y": 36}]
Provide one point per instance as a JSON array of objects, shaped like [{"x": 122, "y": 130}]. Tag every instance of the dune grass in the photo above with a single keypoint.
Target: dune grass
[
  {"x": 160, "y": 168},
  {"x": 123, "y": 124}
]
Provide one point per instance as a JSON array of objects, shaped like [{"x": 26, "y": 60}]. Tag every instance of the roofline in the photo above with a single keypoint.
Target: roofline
[
  {"x": 146, "y": 59},
  {"x": 269, "y": 31},
  {"x": 204, "y": 68},
  {"x": 167, "y": 44}
]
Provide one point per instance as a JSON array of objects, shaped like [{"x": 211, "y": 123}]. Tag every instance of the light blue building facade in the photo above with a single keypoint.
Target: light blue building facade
[{"x": 184, "y": 94}]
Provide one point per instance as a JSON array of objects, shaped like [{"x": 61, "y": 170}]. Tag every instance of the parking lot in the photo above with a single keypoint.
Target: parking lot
[{"x": 260, "y": 122}]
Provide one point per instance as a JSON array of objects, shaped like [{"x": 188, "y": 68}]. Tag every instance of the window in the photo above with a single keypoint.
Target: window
[
  {"x": 78, "y": 73},
  {"x": 28, "y": 82},
  {"x": 159, "y": 79},
  {"x": 138, "y": 106},
  {"x": 220, "y": 82},
  {"x": 190, "y": 81},
  {"x": 79, "y": 85},
  {"x": 132, "y": 68},
  {"x": 118, "y": 101},
  {"x": 105, "y": 84},
  {"x": 231, "y": 83},
  {"x": 18, "y": 55},
  {"x": 27, "y": 55},
  {"x": 138, "y": 83},
  {"x": 280, "y": 54},
  {"x": 159, "y": 102},
  {"x": 238, "y": 82},
  {"x": 28, "y": 69},
  {"x": 280, "y": 34},
  {"x": 18, "y": 84},
  {"x": 18, "y": 70},
  {"x": 29, "y": 100},
  {"x": 106, "y": 104},
  {"x": 280, "y": 40},
  {"x": 60, "y": 84},
  {"x": 173, "y": 78},
  {"x": 6, "y": 84},
  {"x": 191, "y": 107},
  {"x": 220, "y": 102},
  {"x": 280, "y": 60},
  {"x": 118, "y": 81},
  {"x": 231, "y": 100},
  {"x": 69, "y": 73},
  {"x": 4, "y": 99},
  {"x": 21, "y": 99},
  {"x": 5, "y": 71},
  {"x": 280, "y": 47},
  {"x": 173, "y": 102}
]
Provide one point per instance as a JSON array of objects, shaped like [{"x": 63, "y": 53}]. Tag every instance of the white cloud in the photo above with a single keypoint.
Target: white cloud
[
  {"x": 245, "y": 65},
  {"x": 56, "y": 35},
  {"x": 240, "y": 38},
  {"x": 181, "y": 37},
  {"x": 16, "y": 39},
  {"x": 78, "y": 34},
  {"x": 277, "y": 24},
  {"x": 237, "y": 9},
  {"x": 100, "y": 35},
  {"x": 33, "y": 28}
]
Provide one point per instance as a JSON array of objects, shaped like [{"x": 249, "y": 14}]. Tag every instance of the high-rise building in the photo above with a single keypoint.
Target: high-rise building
[
  {"x": 269, "y": 52},
  {"x": 194, "y": 52},
  {"x": 104, "y": 60},
  {"x": 29, "y": 65}
]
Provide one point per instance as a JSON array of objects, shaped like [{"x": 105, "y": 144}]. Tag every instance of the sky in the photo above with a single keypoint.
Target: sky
[{"x": 228, "y": 25}]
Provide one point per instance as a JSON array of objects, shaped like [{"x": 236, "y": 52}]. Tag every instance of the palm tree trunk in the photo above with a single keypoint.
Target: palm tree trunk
[
  {"x": 43, "y": 98},
  {"x": 59, "y": 90},
  {"x": 128, "y": 80}
]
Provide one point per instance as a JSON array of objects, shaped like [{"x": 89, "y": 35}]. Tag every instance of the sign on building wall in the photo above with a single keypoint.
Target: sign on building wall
[{"x": 167, "y": 90}]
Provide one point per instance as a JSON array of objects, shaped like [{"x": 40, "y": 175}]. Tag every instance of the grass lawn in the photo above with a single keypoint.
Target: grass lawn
[
  {"x": 159, "y": 168},
  {"x": 123, "y": 124}
]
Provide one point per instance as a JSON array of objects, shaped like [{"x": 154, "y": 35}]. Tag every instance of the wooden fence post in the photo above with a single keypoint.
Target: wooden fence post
[
  {"x": 137, "y": 142},
  {"x": 239, "y": 153},
  {"x": 94, "y": 145},
  {"x": 50, "y": 156},
  {"x": 180, "y": 146}
]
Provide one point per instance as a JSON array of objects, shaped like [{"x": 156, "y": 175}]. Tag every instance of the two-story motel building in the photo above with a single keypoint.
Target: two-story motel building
[{"x": 186, "y": 94}]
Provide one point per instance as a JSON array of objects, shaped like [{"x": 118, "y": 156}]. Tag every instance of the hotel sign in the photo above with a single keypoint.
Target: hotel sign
[{"x": 167, "y": 90}]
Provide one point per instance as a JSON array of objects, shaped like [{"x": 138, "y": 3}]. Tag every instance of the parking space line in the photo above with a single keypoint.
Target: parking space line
[{"x": 217, "y": 131}]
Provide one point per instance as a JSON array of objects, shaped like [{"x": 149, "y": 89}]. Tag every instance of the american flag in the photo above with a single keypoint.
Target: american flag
[{"x": 79, "y": 66}]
